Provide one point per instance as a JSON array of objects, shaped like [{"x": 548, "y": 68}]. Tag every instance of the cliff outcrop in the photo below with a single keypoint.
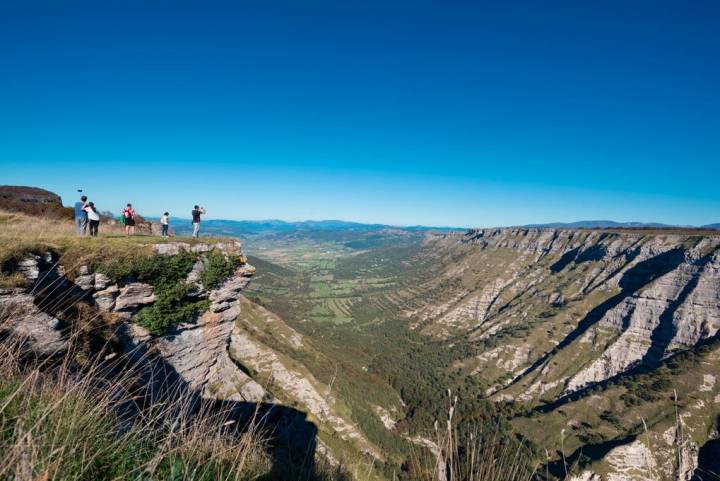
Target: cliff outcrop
[
  {"x": 212, "y": 352},
  {"x": 33, "y": 201},
  {"x": 613, "y": 301}
]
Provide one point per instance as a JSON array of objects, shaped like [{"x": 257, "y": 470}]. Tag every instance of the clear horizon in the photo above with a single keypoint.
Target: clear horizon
[
  {"x": 291, "y": 221},
  {"x": 400, "y": 113}
]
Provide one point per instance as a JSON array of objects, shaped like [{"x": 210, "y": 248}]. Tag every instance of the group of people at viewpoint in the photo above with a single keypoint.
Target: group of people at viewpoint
[{"x": 87, "y": 218}]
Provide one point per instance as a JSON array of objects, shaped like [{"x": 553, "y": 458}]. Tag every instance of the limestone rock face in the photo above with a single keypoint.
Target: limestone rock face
[
  {"x": 101, "y": 281},
  {"x": 634, "y": 298},
  {"x": 199, "y": 351},
  {"x": 205, "y": 356},
  {"x": 28, "y": 268},
  {"x": 105, "y": 298},
  {"x": 193, "y": 280},
  {"x": 560, "y": 315},
  {"x": 174, "y": 248},
  {"x": 22, "y": 317},
  {"x": 85, "y": 282},
  {"x": 199, "y": 354},
  {"x": 301, "y": 387},
  {"x": 134, "y": 296}
]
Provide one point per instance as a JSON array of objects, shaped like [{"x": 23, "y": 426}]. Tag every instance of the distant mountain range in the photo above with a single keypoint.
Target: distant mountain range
[
  {"x": 598, "y": 224},
  {"x": 608, "y": 224},
  {"x": 276, "y": 226}
]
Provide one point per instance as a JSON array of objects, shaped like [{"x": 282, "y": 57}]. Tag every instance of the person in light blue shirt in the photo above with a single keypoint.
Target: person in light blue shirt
[{"x": 81, "y": 216}]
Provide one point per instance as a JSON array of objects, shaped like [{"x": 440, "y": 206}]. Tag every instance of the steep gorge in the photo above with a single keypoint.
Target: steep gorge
[{"x": 601, "y": 342}]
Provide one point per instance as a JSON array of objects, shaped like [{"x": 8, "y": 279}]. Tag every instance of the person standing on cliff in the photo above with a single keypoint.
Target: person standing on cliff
[
  {"x": 196, "y": 213},
  {"x": 93, "y": 217},
  {"x": 165, "y": 224},
  {"x": 81, "y": 216},
  {"x": 129, "y": 217}
]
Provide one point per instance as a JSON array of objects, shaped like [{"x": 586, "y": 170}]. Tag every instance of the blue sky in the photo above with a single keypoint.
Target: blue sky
[{"x": 438, "y": 113}]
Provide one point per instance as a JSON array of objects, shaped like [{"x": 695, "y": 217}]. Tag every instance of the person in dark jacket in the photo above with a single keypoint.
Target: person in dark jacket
[
  {"x": 196, "y": 213},
  {"x": 81, "y": 217}
]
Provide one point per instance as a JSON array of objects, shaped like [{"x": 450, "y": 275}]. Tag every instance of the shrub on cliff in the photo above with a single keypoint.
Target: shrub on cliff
[
  {"x": 167, "y": 275},
  {"x": 218, "y": 267},
  {"x": 155, "y": 270},
  {"x": 171, "y": 307}
]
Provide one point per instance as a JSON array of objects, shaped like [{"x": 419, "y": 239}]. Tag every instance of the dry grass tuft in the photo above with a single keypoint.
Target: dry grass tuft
[
  {"x": 480, "y": 453},
  {"x": 60, "y": 424}
]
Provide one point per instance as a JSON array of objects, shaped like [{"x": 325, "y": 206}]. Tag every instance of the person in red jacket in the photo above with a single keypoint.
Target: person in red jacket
[{"x": 129, "y": 218}]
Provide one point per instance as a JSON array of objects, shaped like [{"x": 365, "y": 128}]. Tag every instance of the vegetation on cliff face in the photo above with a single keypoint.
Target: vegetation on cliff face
[
  {"x": 167, "y": 275},
  {"x": 218, "y": 266}
]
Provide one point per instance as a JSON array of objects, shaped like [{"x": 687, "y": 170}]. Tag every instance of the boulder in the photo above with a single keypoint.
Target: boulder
[
  {"x": 85, "y": 282},
  {"x": 101, "y": 281},
  {"x": 246, "y": 270},
  {"x": 29, "y": 268},
  {"x": 193, "y": 280},
  {"x": 105, "y": 298},
  {"x": 134, "y": 296},
  {"x": 22, "y": 317},
  {"x": 171, "y": 248}
]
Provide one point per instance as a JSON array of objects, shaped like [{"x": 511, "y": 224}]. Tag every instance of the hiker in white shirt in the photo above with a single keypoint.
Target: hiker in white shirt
[
  {"x": 165, "y": 223},
  {"x": 93, "y": 218}
]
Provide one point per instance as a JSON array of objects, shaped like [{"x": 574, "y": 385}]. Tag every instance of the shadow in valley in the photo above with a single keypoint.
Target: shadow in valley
[
  {"x": 290, "y": 437},
  {"x": 55, "y": 294},
  {"x": 595, "y": 252},
  {"x": 581, "y": 457},
  {"x": 708, "y": 466},
  {"x": 666, "y": 329},
  {"x": 632, "y": 280},
  {"x": 638, "y": 369}
]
